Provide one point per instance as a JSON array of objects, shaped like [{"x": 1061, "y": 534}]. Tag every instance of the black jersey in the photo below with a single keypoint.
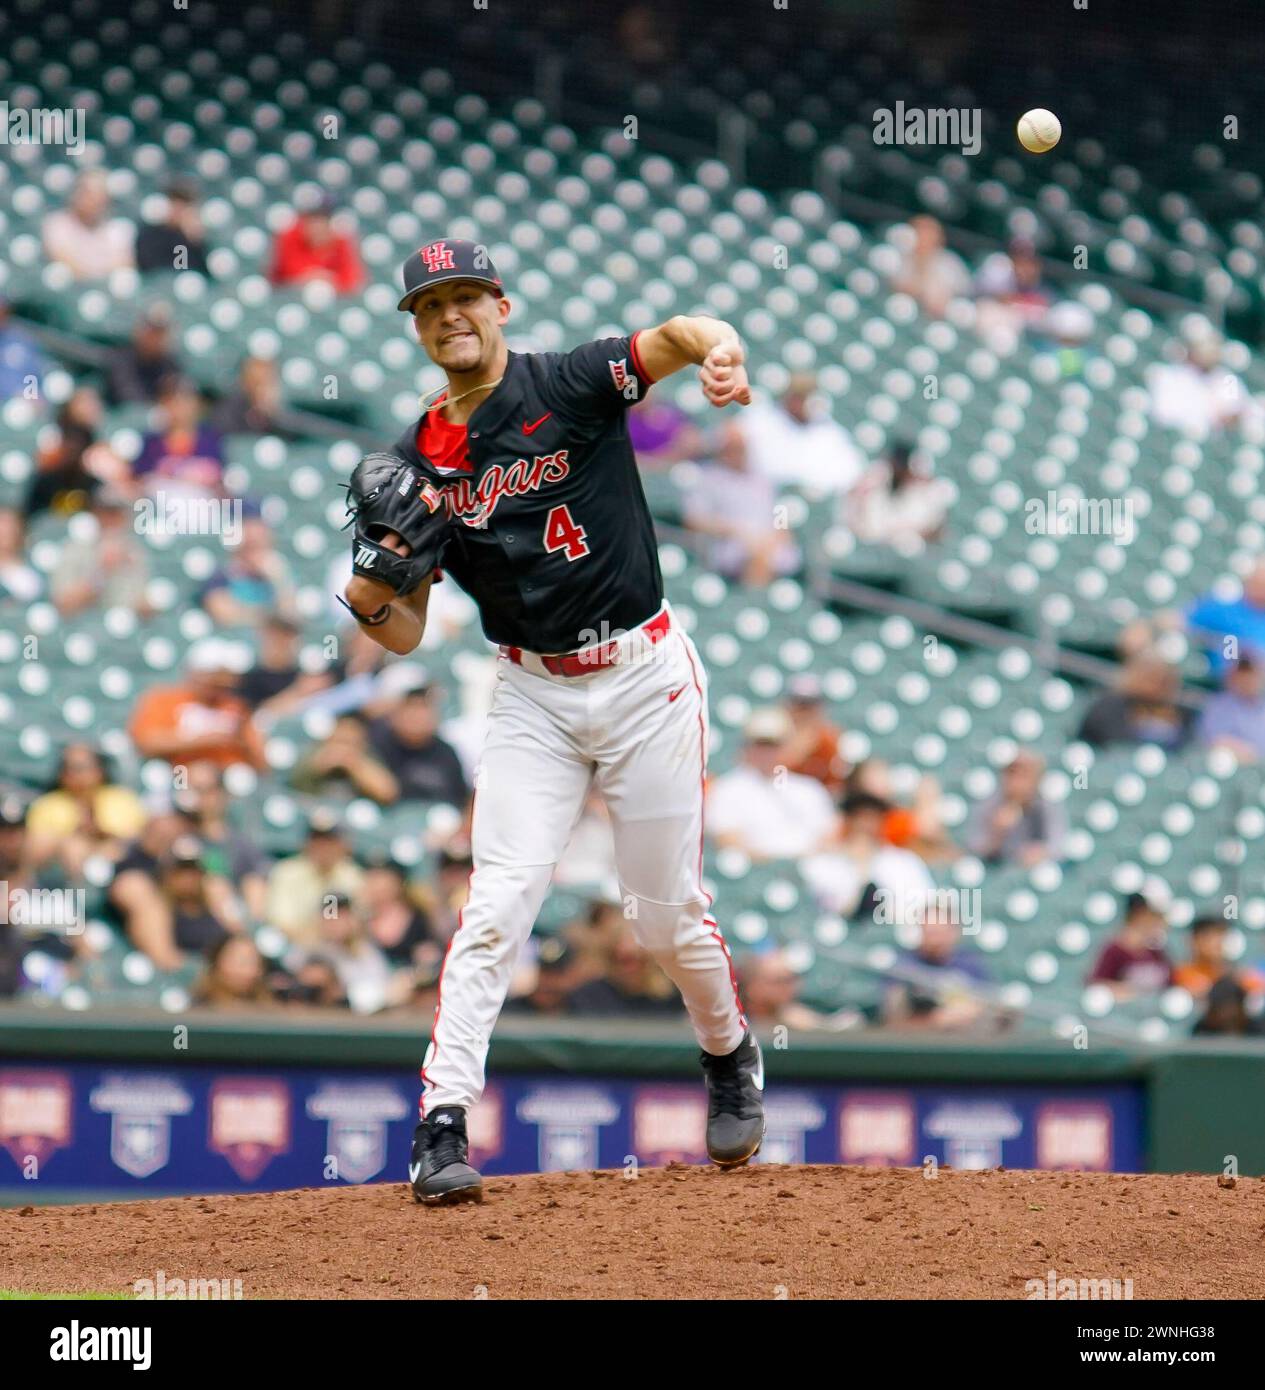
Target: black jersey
[{"x": 551, "y": 534}]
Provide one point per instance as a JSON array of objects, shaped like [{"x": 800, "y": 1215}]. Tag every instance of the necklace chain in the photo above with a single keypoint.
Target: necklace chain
[{"x": 435, "y": 405}]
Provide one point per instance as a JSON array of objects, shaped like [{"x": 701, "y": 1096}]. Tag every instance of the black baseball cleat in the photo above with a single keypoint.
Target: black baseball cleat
[
  {"x": 735, "y": 1103},
  {"x": 437, "y": 1168}
]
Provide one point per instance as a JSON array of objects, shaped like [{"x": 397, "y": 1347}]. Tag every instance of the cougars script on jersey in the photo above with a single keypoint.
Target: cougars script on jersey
[{"x": 552, "y": 537}]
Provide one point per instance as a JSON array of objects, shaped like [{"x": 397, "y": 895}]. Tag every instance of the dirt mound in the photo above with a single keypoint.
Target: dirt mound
[{"x": 675, "y": 1232}]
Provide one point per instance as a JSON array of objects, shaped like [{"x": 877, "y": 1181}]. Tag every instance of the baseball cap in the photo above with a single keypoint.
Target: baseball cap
[
  {"x": 767, "y": 725},
  {"x": 323, "y": 821},
  {"x": 446, "y": 260},
  {"x": 804, "y": 689},
  {"x": 400, "y": 679},
  {"x": 208, "y": 654},
  {"x": 185, "y": 849}
]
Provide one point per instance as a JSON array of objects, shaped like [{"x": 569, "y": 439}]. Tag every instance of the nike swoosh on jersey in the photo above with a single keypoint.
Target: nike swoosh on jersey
[
  {"x": 530, "y": 427},
  {"x": 675, "y": 693}
]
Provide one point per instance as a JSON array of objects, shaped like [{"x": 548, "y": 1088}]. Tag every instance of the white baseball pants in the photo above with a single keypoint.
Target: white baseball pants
[{"x": 640, "y": 728}]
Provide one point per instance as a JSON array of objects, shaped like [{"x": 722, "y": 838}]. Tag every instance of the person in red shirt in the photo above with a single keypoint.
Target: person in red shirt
[
  {"x": 312, "y": 248},
  {"x": 1134, "y": 961}
]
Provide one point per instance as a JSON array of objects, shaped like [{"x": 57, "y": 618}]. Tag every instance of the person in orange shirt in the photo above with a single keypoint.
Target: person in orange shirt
[
  {"x": 200, "y": 719},
  {"x": 813, "y": 747},
  {"x": 1208, "y": 963},
  {"x": 312, "y": 248}
]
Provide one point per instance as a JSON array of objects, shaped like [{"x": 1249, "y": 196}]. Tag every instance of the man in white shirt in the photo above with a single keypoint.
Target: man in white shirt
[
  {"x": 1198, "y": 395},
  {"x": 864, "y": 876},
  {"x": 762, "y": 808},
  {"x": 83, "y": 235},
  {"x": 795, "y": 443}
]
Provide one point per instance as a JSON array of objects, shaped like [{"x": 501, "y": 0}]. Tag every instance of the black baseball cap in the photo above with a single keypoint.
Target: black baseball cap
[{"x": 444, "y": 260}]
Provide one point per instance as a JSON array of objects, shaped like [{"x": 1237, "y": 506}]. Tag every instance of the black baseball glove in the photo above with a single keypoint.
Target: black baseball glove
[{"x": 386, "y": 493}]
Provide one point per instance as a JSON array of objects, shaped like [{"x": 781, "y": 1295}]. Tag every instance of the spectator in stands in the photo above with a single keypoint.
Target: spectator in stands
[
  {"x": 76, "y": 462},
  {"x": 1141, "y": 709},
  {"x": 632, "y": 985},
  {"x": 812, "y": 749},
  {"x": 770, "y": 988},
  {"x": 1135, "y": 961},
  {"x": 1011, "y": 293},
  {"x": 1234, "y": 717},
  {"x": 920, "y": 825},
  {"x": 254, "y": 583},
  {"x": 83, "y": 236},
  {"x": 1231, "y": 1011},
  {"x": 135, "y": 370},
  {"x": 366, "y": 979},
  {"x": 343, "y": 765},
  {"x": 198, "y": 926},
  {"x": 276, "y": 685},
  {"x": 862, "y": 877},
  {"x": 11, "y": 953},
  {"x": 662, "y": 434},
  {"x": 555, "y": 977},
  {"x": 184, "y": 457},
  {"x": 313, "y": 248},
  {"x": 795, "y": 442},
  {"x": 1209, "y": 963},
  {"x": 19, "y": 579},
  {"x": 762, "y": 808},
  {"x": 1230, "y": 627},
  {"x": 935, "y": 987},
  {"x": 22, "y": 365},
  {"x": 108, "y": 569},
  {"x": 235, "y": 977},
  {"x": 1064, "y": 337},
  {"x": 254, "y": 404},
  {"x": 898, "y": 503},
  {"x": 450, "y": 887},
  {"x": 396, "y": 925},
  {"x": 300, "y": 886},
  {"x": 421, "y": 765},
  {"x": 85, "y": 812},
  {"x": 591, "y": 936},
  {"x": 733, "y": 509},
  {"x": 1197, "y": 394},
  {"x": 200, "y": 717},
  {"x": 1017, "y": 825},
  {"x": 178, "y": 242},
  {"x": 134, "y": 899},
  {"x": 928, "y": 270},
  {"x": 229, "y": 855}
]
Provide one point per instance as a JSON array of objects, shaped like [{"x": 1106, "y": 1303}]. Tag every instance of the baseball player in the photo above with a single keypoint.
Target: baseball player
[{"x": 520, "y": 483}]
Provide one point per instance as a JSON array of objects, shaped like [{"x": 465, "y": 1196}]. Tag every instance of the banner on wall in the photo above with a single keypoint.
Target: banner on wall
[{"x": 127, "y": 1130}]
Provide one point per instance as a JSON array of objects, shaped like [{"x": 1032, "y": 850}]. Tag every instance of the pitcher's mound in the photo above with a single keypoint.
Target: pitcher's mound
[{"x": 675, "y": 1232}]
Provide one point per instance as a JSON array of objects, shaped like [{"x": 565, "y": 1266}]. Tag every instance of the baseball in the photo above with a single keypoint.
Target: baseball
[{"x": 1039, "y": 130}]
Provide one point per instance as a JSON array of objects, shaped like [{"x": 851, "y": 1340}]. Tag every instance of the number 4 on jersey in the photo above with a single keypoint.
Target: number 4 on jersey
[{"x": 561, "y": 533}]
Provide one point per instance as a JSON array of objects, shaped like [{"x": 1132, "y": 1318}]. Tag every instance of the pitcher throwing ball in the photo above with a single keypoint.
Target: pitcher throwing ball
[{"x": 519, "y": 482}]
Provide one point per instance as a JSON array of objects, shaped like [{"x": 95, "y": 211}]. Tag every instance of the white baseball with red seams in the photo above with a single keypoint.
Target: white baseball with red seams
[{"x": 639, "y": 729}]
